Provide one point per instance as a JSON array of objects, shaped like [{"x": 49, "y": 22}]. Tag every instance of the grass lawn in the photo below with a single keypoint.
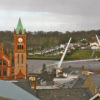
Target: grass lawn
[
  {"x": 44, "y": 57},
  {"x": 81, "y": 54},
  {"x": 97, "y": 54},
  {"x": 78, "y": 54}
]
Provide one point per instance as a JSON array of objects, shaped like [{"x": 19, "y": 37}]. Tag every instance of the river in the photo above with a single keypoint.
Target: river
[{"x": 35, "y": 66}]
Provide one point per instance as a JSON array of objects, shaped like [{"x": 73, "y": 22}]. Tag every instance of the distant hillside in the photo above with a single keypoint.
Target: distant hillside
[{"x": 41, "y": 40}]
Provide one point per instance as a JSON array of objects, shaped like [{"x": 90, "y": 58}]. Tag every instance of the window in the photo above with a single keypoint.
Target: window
[
  {"x": 0, "y": 72},
  {"x": 18, "y": 58},
  {"x": 20, "y": 31},
  {"x": 4, "y": 73},
  {"x": 20, "y": 47},
  {"x": 22, "y": 58},
  {"x": 4, "y": 63},
  {"x": 0, "y": 62}
]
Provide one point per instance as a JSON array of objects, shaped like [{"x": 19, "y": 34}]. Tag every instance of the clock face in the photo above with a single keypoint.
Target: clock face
[{"x": 20, "y": 40}]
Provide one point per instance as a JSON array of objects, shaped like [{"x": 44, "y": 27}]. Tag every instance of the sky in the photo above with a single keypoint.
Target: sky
[{"x": 50, "y": 15}]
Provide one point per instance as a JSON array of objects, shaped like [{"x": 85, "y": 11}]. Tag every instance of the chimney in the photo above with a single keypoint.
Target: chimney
[
  {"x": 70, "y": 67},
  {"x": 33, "y": 82},
  {"x": 83, "y": 68}
]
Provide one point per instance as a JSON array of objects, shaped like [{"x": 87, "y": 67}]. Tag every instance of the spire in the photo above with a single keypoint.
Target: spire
[{"x": 19, "y": 27}]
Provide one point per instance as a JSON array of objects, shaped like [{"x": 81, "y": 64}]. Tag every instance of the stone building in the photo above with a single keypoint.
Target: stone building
[{"x": 13, "y": 66}]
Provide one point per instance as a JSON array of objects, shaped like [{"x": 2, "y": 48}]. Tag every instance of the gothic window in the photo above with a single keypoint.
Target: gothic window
[
  {"x": 18, "y": 58},
  {"x": 4, "y": 73},
  {"x": 0, "y": 62},
  {"x": 0, "y": 72},
  {"x": 20, "y": 31},
  {"x": 22, "y": 46},
  {"x": 4, "y": 63},
  {"x": 22, "y": 58},
  {"x": 18, "y": 47}
]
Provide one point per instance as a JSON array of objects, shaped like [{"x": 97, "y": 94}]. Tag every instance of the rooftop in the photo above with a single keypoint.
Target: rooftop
[
  {"x": 13, "y": 92},
  {"x": 80, "y": 81},
  {"x": 96, "y": 80},
  {"x": 64, "y": 94},
  {"x": 77, "y": 83}
]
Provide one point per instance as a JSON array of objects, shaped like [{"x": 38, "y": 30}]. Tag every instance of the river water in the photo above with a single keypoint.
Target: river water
[{"x": 36, "y": 65}]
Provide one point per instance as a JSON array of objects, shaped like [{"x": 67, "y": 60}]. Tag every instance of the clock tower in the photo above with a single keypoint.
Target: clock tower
[{"x": 20, "y": 69}]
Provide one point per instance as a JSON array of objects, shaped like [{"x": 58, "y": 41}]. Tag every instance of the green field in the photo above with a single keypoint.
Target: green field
[
  {"x": 97, "y": 54},
  {"x": 41, "y": 57},
  {"x": 77, "y": 54}
]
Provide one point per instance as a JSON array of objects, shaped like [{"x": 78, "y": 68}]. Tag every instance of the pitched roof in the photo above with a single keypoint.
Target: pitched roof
[
  {"x": 64, "y": 94},
  {"x": 79, "y": 83},
  {"x": 72, "y": 70},
  {"x": 24, "y": 84},
  {"x": 19, "y": 26},
  {"x": 13, "y": 92},
  {"x": 95, "y": 97},
  {"x": 96, "y": 80}
]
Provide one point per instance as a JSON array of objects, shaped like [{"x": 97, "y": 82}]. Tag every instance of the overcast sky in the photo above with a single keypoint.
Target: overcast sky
[{"x": 50, "y": 15}]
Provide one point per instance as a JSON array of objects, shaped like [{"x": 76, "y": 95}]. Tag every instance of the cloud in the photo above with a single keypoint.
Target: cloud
[
  {"x": 59, "y": 15},
  {"x": 77, "y": 7}
]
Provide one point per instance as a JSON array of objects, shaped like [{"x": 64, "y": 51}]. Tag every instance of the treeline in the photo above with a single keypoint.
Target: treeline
[{"x": 42, "y": 40}]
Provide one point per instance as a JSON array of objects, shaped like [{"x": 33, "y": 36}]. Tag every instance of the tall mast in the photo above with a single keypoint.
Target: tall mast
[
  {"x": 62, "y": 58},
  {"x": 98, "y": 40}
]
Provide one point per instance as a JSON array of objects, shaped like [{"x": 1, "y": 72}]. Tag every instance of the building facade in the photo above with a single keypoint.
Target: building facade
[{"x": 14, "y": 66}]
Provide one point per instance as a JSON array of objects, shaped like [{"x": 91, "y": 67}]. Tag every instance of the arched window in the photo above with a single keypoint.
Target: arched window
[
  {"x": 0, "y": 72},
  {"x": 20, "y": 31},
  {"x": 19, "y": 46},
  {"x": 4, "y": 72},
  {"x": 18, "y": 58},
  {"x": 22, "y": 58},
  {"x": 4, "y": 63},
  {"x": 22, "y": 47},
  {"x": 0, "y": 62}
]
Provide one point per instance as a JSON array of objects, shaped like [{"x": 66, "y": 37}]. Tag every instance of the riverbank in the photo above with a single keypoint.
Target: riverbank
[
  {"x": 76, "y": 55},
  {"x": 54, "y": 58}
]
